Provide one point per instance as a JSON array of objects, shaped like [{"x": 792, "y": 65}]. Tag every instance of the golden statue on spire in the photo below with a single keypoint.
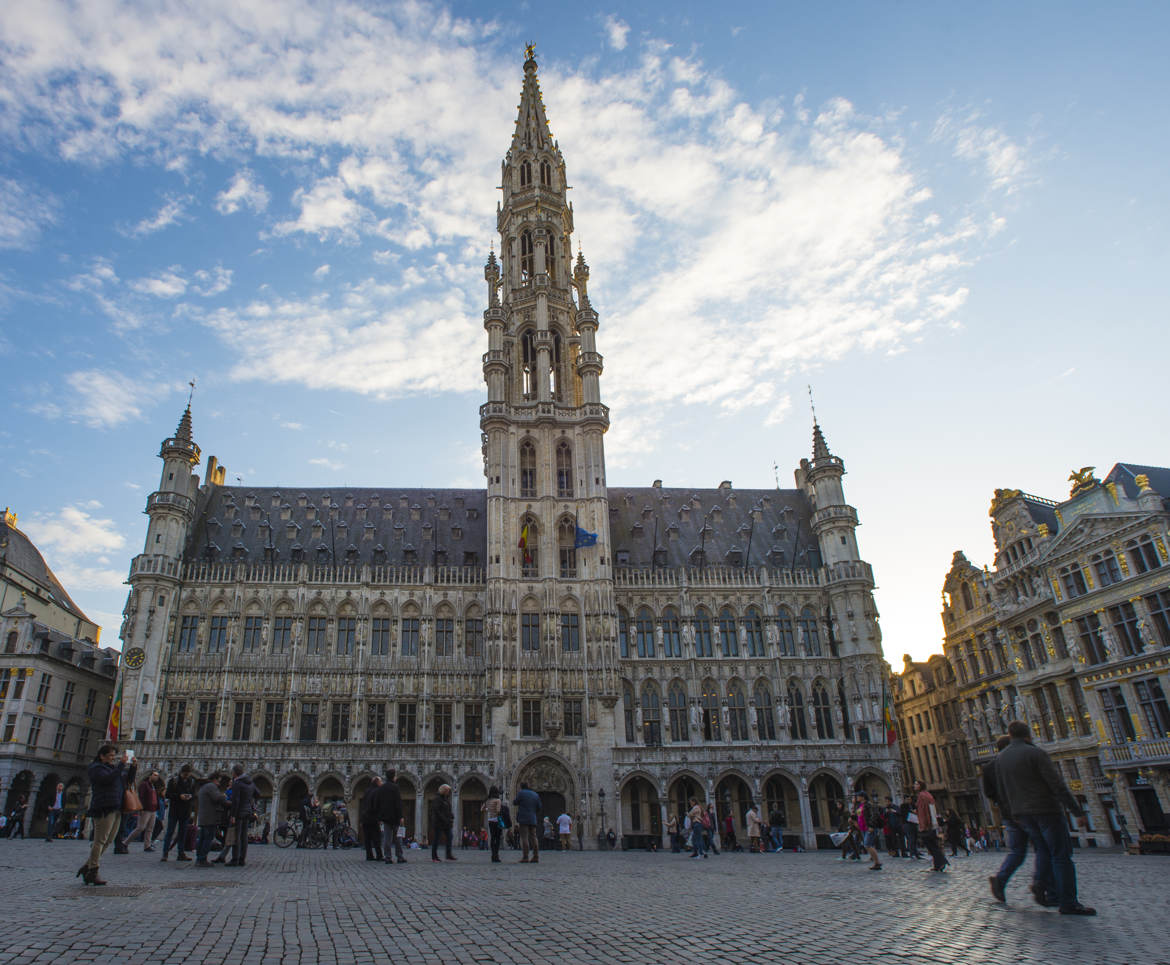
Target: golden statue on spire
[{"x": 530, "y": 51}]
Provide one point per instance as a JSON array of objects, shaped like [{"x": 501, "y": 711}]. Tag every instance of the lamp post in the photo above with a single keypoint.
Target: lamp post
[{"x": 601, "y": 840}]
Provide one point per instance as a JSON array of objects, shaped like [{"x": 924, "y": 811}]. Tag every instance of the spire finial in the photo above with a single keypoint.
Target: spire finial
[
  {"x": 812, "y": 405},
  {"x": 776, "y": 473},
  {"x": 530, "y": 52},
  {"x": 190, "y": 393}
]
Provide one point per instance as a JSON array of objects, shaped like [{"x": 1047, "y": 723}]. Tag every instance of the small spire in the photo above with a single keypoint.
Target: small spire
[
  {"x": 820, "y": 447},
  {"x": 532, "y": 128},
  {"x": 183, "y": 432}
]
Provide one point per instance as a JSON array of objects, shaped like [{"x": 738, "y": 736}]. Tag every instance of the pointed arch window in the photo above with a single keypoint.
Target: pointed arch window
[
  {"x": 671, "y": 639},
  {"x": 628, "y": 712},
  {"x": 797, "y": 722},
  {"x": 527, "y": 468},
  {"x": 753, "y": 633},
  {"x": 529, "y": 547},
  {"x": 822, "y": 712},
  {"x": 765, "y": 715},
  {"x": 526, "y": 251},
  {"x": 623, "y": 632},
  {"x": 546, "y": 174},
  {"x": 550, "y": 259},
  {"x": 703, "y": 646},
  {"x": 810, "y": 637},
  {"x": 525, "y": 173},
  {"x": 527, "y": 365},
  {"x": 679, "y": 725},
  {"x": 567, "y": 548},
  {"x": 644, "y": 632},
  {"x": 785, "y": 632},
  {"x": 555, "y": 381},
  {"x": 737, "y": 713},
  {"x": 651, "y": 716},
  {"x": 564, "y": 469},
  {"x": 710, "y": 701},
  {"x": 846, "y": 727},
  {"x": 728, "y": 638}
]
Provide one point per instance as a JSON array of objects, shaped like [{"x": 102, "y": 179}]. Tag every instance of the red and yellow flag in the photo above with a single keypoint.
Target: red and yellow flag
[
  {"x": 115, "y": 715},
  {"x": 523, "y": 544}
]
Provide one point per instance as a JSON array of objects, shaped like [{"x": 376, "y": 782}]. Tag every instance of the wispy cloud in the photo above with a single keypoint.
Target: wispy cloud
[
  {"x": 166, "y": 284},
  {"x": 167, "y": 215},
  {"x": 327, "y": 464},
  {"x": 100, "y": 399},
  {"x": 1005, "y": 162},
  {"x": 243, "y": 191},
  {"x": 616, "y": 32},
  {"x": 75, "y": 540},
  {"x": 24, "y": 213}
]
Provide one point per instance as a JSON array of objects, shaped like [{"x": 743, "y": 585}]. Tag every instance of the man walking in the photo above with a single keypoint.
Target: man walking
[
  {"x": 776, "y": 824},
  {"x": 389, "y": 811},
  {"x": 565, "y": 829},
  {"x": 243, "y": 795},
  {"x": 210, "y": 815},
  {"x": 55, "y": 807},
  {"x": 927, "y": 814},
  {"x": 180, "y": 797},
  {"x": 442, "y": 820},
  {"x": 527, "y": 805},
  {"x": 1037, "y": 798}
]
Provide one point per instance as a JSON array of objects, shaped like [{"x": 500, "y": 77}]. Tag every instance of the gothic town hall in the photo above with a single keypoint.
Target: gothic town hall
[{"x": 620, "y": 649}]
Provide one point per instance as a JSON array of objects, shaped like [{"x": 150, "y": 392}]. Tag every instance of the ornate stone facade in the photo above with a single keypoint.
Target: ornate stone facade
[
  {"x": 1071, "y": 632},
  {"x": 641, "y": 643}
]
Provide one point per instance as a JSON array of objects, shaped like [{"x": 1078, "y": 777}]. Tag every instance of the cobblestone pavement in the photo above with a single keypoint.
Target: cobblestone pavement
[{"x": 334, "y": 907}]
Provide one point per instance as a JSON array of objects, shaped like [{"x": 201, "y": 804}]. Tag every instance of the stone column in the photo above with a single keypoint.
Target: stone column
[{"x": 418, "y": 816}]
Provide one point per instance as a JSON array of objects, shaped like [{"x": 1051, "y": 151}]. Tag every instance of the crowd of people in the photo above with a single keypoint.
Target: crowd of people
[{"x": 220, "y": 813}]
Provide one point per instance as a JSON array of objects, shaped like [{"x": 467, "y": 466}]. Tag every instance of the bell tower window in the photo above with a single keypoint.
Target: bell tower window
[
  {"x": 529, "y": 542},
  {"x": 545, "y": 174},
  {"x": 567, "y": 545},
  {"x": 527, "y": 469},
  {"x": 525, "y": 174},
  {"x": 527, "y": 365},
  {"x": 564, "y": 469},
  {"x": 526, "y": 256},
  {"x": 550, "y": 260}
]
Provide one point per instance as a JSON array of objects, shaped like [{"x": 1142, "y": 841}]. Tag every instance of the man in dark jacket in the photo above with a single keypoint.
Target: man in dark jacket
[
  {"x": 368, "y": 821},
  {"x": 107, "y": 785},
  {"x": 441, "y": 820},
  {"x": 776, "y": 829},
  {"x": 180, "y": 798},
  {"x": 1036, "y": 796},
  {"x": 243, "y": 797},
  {"x": 389, "y": 812},
  {"x": 527, "y": 806},
  {"x": 211, "y": 814}
]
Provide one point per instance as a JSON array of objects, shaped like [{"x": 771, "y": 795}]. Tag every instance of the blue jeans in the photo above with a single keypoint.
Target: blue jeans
[
  {"x": 777, "y": 839},
  {"x": 176, "y": 832},
  {"x": 1049, "y": 836},
  {"x": 1017, "y": 842},
  {"x": 204, "y": 842},
  {"x": 697, "y": 840},
  {"x": 52, "y": 825}
]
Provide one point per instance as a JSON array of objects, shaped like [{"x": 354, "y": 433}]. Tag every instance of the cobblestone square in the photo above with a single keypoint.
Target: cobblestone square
[{"x": 582, "y": 907}]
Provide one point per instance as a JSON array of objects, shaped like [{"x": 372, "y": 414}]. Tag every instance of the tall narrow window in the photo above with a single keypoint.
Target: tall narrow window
[
  {"x": 822, "y": 712},
  {"x": 176, "y": 719},
  {"x": 376, "y": 722},
  {"x": 346, "y": 634},
  {"x": 765, "y": 715},
  {"x": 810, "y": 637},
  {"x": 525, "y": 173},
  {"x": 315, "y": 635},
  {"x": 217, "y": 635},
  {"x": 564, "y": 469},
  {"x": 473, "y": 723},
  {"x": 651, "y": 716},
  {"x": 753, "y": 633},
  {"x": 679, "y": 724},
  {"x": 205, "y": 725},
  {"x": 407, "y": 722},
  {"x": 1125, "y": 628},
  {"x": 252, "y": 630},
  {"x": 644, "y": 632},
  {"x": 567, "y": 545},
  {"x": 797, "y": 722},
  {"x": 273, "y": 720},
  {"x": 473, "y": 637},
  {"x": 1117, "y": 714},
  {"x": 410, "y": 636},
  {"x": 527, "y": 365},
  {"x": 1089, "y": 633},
  {"x": 442, "y": 718},
  {"x": 1152, "y": 700},
  {"x": 379, "y": 637},
  {"x": 281, "y": 634},
  {"x": 545, "y": 174},
  {"x": 242, "y": 721},
  {"x": 188, "y": 634},
  {"x": 623, "y": 633},
  {"x": 570, "y": 632},
  {"x": 310, "y": 720},
  {"x": 526, "y": 262},
  {"x": 671, "y": 639},
  {"x": 67, "y": 697},
  {"x": 555, "y": 382},
  {"x": 444, "y": 637},
  {"x": 1142, "y": 555},
  {"x": 628, "y": 712},
  {"x": 531, "y": 723},
  {"x": 737, "y": 713},
  {"x": 728, "y": 638},
  {"x": 530, "y": 632},
  {"x": 712, "y": 726},
  {"x": 785, "y": 633},
  {"x": 527, "y": 469},
  {"x": 703, "y": 645},
  {"x": 574, "y": 718},
  {"x": 339, "y": 721}
]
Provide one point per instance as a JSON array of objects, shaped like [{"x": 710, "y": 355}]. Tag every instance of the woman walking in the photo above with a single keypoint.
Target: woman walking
[
  {"x": 697, "y": 814},
  {"x": 148, "y": 798},
  {"x": 106, "y": 780},
  {"x": 491, "y": 810}
]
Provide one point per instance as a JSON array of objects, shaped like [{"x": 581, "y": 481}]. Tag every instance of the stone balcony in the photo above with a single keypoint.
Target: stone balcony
[{"x": 1138, "y": 753}]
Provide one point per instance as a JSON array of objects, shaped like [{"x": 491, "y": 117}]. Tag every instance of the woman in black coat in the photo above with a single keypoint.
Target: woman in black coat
[
  {"x": 107, "y": 775},
  {"x": 441, "y": 820}
]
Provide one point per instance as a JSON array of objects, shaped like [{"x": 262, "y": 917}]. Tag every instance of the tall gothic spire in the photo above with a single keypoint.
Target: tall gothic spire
[
  {"x": 820, "y": 447},
  {"x": 183, "y": 432},
  {"x": 532, "y": 131}
]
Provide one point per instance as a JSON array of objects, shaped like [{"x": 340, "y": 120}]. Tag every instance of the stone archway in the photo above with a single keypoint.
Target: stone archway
[
  {"x": 409, "y": 794},
  {"x": 733, "y": 797},
  {"x": 292, "y": 793},
  {"x": 472, "y": 794},
  {"x": 549, "y": 778},
  {"x": 782, "y": 797},
  {"x": 826, "y": 799},
  {"x": 875, "y": 785},
  {"x": 641, "y": 813}
]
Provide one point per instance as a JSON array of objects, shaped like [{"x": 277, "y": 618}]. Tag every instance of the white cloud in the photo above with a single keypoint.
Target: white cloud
[
  {"x": 243, "y": 191},
  {"x": 73, "y": 531},
  {"x": 99, "y": 399},
  {"x": 326, "y": 209},
  {"x": 617, "y": 32},
  {"x": 327, "y": 464},
  {"x": 293, "y": 426},
  {"x": 166, "y": 216},
  {"x": 24, "y": 214},
  {"x": 321, "y": 272},
  {"x": 165, "y": 284},
  {"x": 1003, "y": 160},
  {"x": 212, "y": 282}
]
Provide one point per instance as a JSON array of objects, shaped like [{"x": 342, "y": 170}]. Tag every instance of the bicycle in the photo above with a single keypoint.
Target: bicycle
[{"x": 289, "y": 832}]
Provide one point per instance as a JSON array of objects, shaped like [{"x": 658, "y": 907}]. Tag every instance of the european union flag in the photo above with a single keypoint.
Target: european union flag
[{"x": 584, "y": 539}]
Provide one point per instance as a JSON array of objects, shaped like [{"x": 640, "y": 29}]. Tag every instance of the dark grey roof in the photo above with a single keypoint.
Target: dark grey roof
[
  {"x": 18, "y": 551},
  {"x": 644, "y": 519},
  {"x": 1041, "y": 510},
  {"x": 1124, "y": 472},
  {"x": 378, "y": 526}
]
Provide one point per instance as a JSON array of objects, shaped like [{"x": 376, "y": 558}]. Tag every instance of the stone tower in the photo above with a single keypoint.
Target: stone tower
[
  {"x": 551, "y": 620},
  {"x": 155, "y": 579}
]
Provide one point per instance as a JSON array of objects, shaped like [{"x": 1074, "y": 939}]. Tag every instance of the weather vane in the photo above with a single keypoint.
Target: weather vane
[
  {"x": 530, "y": 51},
  {"x": 812, "y": 405},
  {"x": 192, "y": 392}
]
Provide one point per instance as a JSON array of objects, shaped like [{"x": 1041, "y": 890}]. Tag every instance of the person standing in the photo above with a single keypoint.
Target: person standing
[
  {"x": 55, "y": 807},
  {"x": 131, "y": 806},
  {"x": 927, "y": 814},
  {"x": 211, "y": 813},
  {"x": 243, "y": 796},
  {"x": 753, "y": 826},
  {"x": 527, "y": 805},
  {"x": 672, "y": 831},
  {"x": 710, "y": 830},
  {"x": 491, "y": 812},
  {"x": 107, "y": 786},
  {"x": 565, "y": 830},
  {"x": 1038, "y": 799},
  {"x": 697, "y": 816},
  {"x": 866, "y": 817},
  {"x": 442, "y": 821},
  {"x": 955, "y": 834},
  {"x": 910, "y": 828},
  {"x": 389, "y": 810},
  {"x": 776, "y": 829},
  {"x": 180, "y": 796},
  {"x": 368, "y": 820}
]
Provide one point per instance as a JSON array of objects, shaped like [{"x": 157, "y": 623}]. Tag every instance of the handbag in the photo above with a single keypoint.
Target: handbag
[
  {"x": 505, "y": 817},
  {"x": 130, "y": 802}
]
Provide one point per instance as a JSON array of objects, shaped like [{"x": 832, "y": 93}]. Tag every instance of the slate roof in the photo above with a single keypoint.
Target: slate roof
[
  {"x": 246, "y": 521},
  {"x": 645, "y": 519},
  {"x": 18, "y": 551},
  {"x": 1124, "y": 472}
]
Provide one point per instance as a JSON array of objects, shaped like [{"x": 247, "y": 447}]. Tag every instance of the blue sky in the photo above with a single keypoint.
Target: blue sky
[{"x": 951, "y": 220}]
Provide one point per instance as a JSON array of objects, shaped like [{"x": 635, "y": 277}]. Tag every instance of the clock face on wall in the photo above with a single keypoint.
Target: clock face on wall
[{"x": 135, "y": 658}]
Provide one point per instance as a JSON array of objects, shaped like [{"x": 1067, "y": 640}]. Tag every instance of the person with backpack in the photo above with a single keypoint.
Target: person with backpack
[{"x": 867, "y": 824}]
